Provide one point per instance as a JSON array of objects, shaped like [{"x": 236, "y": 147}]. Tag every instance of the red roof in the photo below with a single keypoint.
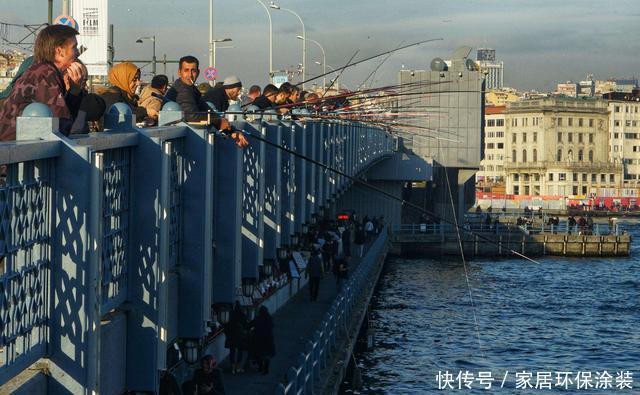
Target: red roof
[{"x": 490, "y": 110}]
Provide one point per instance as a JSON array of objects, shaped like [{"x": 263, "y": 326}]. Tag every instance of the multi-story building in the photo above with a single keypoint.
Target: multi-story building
[
  {"x": 569, "y": 89},
  {"x": 492, "y": 164},
  {"x": 493, "y": 70},
  {"x": 559, "y": 147},
  {"x": 450, "y": 138},
  {"x": 500, "y": 97},
  {"x": 624, "y": 137}
]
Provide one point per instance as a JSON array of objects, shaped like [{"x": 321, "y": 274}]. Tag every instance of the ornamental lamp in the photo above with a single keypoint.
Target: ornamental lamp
[
  {"x": 281, "y": 252},
  {"x": 190, "y": 348},
  {"x": 248, "y": 285},
  {"x": 223, "y": 311},
  {"x": 295, "y": 238},
  {"x": 268, "y": 268}
]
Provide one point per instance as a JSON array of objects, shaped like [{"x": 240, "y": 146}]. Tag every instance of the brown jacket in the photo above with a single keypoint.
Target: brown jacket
[
  {"x": 150, "y": 101},
  {"x": 42, "y": 83}
]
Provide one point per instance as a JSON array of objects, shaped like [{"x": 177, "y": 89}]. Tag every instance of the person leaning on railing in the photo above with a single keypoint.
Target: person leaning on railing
[
  {"x": 53, "y": 79},
  {"x": 125, "y": 79},
  {"x": 186, "y": 94}
]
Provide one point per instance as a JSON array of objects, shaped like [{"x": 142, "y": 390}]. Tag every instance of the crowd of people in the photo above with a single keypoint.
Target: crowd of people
[{"x": 56, "y": 77}]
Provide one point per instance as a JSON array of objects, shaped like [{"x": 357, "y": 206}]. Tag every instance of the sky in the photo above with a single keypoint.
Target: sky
[{"x": 541, "y": 42}]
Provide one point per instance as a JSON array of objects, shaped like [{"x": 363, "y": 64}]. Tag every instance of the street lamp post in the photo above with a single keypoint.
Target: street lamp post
[
  {"x": 220, "y": 40},
  {"x": 324, "y": 61},
  {"x": 270, "y": 39},
  {"x": 153, "y": 59},
  {"x": 304, "y": 39}
]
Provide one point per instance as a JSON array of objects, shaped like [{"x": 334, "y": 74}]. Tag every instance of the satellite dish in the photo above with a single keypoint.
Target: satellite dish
[
  {"x": 471, "y": 65},
  {"x": 438, "y": 64}
]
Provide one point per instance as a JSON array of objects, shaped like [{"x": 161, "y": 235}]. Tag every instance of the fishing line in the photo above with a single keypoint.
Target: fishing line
[{"x": 374, "y": 188}]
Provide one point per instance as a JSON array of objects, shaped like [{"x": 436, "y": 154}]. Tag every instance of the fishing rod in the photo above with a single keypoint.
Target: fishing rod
[
  {"x": 380, "y": 191},
  {"x": 339, "y": 74},
  {"x": 369, "y": 58},
  {"x": 373, "y": 73}
]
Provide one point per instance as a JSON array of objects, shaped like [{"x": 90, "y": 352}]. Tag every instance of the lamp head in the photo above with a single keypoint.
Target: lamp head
[
  {"x": 300, "y": 37},
  {"x": 274, "y": 6},
  {"x": 139, "y": 41}
]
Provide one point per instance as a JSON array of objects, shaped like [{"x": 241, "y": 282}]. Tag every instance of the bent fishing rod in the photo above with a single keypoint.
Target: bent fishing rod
[
  {"x": 369, "y": 58},
  {"x": 380, "y": 191}
]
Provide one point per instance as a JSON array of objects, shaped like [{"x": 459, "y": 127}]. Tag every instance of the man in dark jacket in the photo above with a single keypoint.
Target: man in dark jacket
[
  {"x": 315, "y": 274},
  {"x": 186, "y": 94},
  {"x": 220, "y": 96},
  {"x": 184, "y": 91},
  {"x": 268, "y": 98}
]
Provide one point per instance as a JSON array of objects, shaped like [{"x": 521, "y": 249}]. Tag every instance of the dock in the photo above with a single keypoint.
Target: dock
[{"x": 499, "y": 240}]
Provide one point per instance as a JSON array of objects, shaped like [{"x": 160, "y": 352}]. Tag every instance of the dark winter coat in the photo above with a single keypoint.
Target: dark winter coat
[
  {"x": 263, "y": 336},
  {"x": 190, "y": 100}
]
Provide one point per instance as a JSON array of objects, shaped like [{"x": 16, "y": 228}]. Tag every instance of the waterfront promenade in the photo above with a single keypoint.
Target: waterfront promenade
[{"x": 294, "y": 324}]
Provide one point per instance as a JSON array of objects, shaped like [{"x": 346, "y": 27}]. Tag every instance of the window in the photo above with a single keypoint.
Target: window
[
  {"x": 580, "y": 156},
  {"x": 499, "y": 134},
  {"x": 490, "y": 146},
  {"x": 580, "y": 122},
  {"x": 500, "y": 145},
  {"x": 559, "y": 137},
  {"x": 612, "y": 178},
  {"x": 513, "y": 156},
  {"x": 525, "y": 121},
  {"x": 616, "y": 123},
  {"x": 516, "y": 190},
  {"x": 535, "y": 137},
  {"x": 575, "y": 177},
  {"x": 616, "y": 135},
  {"x": 593, "y": 178},
  {"x": 590, "y": 123},
  {"x": 584, "y": 177},
  {"x": 535, "y": 155},
  {"x": 580, "y": 137},
  {"x": 491, "y": 122},
  {"x": 562, "y": 177},
  {"x": 537, "y": 177},
  {"x": 524, "y": 155},
  {"x": 584, "y": 190},
  {"x": 559, "y": 155},
  {"x": 617, "y": 108},
  {"x": 516, "y": 177},
  {"x": 513, "y": 138},
  {"x": 499, "y": 122},
  {"x": 524, "y": 137},
  {"x": 559, "y": 121},
  {"x": 526, "y": 189},
  {"x": 550, "y": 176},
  {"x": 570, "y": 120},
  {"x": 570, "y": 137},
  {"x": 526, "y": 178},
  {"x": 603, "y": 178},
  {"x": 590, "y": 138},
  {"x": 574, "y": 190}
]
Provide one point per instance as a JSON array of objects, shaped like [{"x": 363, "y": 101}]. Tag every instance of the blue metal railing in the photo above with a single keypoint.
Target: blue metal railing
[
  {"x": 139, "y": 221},
  {"x": 302, "y": 377}
]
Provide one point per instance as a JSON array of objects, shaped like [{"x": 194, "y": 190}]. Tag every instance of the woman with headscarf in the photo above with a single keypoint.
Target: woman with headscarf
[{"x": 125, "y": 79}]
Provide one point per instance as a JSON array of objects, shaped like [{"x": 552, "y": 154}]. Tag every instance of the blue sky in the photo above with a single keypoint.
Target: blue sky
[{"x": 541, "y": 42}]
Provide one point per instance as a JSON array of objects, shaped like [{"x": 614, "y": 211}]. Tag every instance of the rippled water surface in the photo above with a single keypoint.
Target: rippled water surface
[{"x": 566, "y": 314}]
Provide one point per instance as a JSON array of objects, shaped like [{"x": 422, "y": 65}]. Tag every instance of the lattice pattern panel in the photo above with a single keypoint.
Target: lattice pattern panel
[
  {"x": 115, "y": 241},
  {"x": 25, "y": 259},
  {"x": 250, "y": 187},
  {"x": 175, "y": 203}
]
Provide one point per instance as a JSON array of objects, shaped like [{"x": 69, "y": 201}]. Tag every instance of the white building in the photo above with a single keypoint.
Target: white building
[
  {"x": 492, "y": 164},
  {"x": 624, "y": 135}
]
